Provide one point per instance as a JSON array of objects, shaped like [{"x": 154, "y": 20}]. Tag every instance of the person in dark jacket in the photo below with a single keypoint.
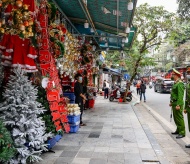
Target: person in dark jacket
[
  {"x": 79, "y": 95},
  {"x": 142, "y": 91}
]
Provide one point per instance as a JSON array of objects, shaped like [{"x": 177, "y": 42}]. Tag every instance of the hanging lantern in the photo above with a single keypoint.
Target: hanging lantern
[
  {"x": 93, "y": 48},
  {"x": 92, "y": 30},
  {"x": 106, "y": 44},
  {"x": 86, "y": 24},
  {"x": 127, "y": 30},
  {"x": 126, "y": 40},
  {"x": 130, "y": 6}
]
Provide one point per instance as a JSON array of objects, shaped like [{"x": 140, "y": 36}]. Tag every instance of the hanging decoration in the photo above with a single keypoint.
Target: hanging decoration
[
  {"x": 18, "y": 28},
  {"x": 48, "y": 68}
]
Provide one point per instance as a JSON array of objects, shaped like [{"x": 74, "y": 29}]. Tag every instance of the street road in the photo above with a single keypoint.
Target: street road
[{"x": 159, "y": 102}]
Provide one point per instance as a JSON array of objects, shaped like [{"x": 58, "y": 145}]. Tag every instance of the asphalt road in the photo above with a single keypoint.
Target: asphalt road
[{"x": 159, "y": 102}]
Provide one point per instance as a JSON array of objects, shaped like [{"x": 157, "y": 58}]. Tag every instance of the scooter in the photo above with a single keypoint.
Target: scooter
[
  {"x": 117, "y": 94},
  {"x": 150, "y": 86}
]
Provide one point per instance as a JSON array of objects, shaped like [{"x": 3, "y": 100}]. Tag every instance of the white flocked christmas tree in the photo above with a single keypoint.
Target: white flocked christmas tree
[{"x": 21, "y": 114}]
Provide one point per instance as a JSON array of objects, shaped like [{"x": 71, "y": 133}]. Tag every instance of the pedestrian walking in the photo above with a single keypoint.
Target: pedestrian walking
[
  {"x": 176, "y": 103},
  {"x": 187, "y": 99},
  {"x": 142, "y": 91},
  {"x": 79, "y": 96},
  {"x": 138, "y": 87},
  {"x": 106, "y": 89}
]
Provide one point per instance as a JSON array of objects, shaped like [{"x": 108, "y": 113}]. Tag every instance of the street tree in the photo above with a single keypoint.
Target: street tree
[
  {"x": 132, "y": 58},
  {"x": 184, "y": 9},
  {"x": 153, "y": 24}
]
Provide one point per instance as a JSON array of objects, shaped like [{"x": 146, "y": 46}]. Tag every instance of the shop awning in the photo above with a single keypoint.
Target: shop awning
[
  {"x": 112, "y": 71},
  {"x": 107, "y": 18}
]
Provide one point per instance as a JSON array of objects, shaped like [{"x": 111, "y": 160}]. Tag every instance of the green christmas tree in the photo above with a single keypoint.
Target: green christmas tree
[
  {"x": 42, "y": 98},
  {"x": 7, "y": 150}
]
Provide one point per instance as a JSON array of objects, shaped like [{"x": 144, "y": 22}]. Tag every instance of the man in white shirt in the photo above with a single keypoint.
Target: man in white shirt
[{"x": 106, "y": 90}]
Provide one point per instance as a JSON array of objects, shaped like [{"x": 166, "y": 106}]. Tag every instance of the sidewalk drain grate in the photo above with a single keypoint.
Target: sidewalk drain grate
[{"x": 151, "y": 161}]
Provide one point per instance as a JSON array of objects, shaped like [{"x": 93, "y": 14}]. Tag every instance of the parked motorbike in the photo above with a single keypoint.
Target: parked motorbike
[
  {"x": 119, "y": 93},
  {"x": 150, "y": 86}
]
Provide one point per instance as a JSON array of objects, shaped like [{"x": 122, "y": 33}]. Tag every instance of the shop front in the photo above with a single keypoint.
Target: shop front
[{"x": 42, "y": 48}]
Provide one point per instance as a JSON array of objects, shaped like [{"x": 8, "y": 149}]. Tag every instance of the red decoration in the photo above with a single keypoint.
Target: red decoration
[
  {"x": 67, "y": 128},
  {"x": 53, "y": 95},
  {"x": 54, "y": 106},
  {"x": 45, "y": 56},
  {"x": 55, "y": 116}
]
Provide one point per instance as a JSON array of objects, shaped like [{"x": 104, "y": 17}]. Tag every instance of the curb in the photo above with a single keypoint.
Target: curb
[{"x": 186, "y": 139}]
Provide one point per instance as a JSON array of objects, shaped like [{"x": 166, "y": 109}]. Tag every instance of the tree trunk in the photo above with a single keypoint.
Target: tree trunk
[{"x": 135, "y": 69}]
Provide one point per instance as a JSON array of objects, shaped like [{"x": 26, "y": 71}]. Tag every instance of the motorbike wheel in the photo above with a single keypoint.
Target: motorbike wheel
[
  {"x": 111, "y": 98},
  {"x": 129, "y": 99}
]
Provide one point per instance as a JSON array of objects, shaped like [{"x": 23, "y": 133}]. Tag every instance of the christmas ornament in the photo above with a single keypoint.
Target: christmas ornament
[
  {"x": 45, "y": 82},
  {"x": 19, "y": 4}
]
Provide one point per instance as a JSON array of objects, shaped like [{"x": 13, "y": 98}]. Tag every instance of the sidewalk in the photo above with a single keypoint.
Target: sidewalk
[{"x": 117, "y": 134}]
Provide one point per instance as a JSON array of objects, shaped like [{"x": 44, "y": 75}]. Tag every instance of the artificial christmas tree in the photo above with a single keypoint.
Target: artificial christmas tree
[
  {"x": 7, "y": 151},
  {"x": 20, "y": 112},
  {"x": 42, "y": 98},
  {"x": 1, "y": 78}
]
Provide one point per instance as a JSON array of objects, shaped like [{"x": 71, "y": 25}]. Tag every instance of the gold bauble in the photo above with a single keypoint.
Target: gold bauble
[
  {"x": 26, "y": 13},
  {"x": 25, "y": 7},
  {"x": 31, "y": 34},
  {"x": 29, "y": 29},
  {"x": 19, "y": 4},
  {"x": 24, "y": 32},
  {"x": 30, "y": 22},
  {"x": 2, "y": 30},
  {"x": 22, "y": 27},
  {"x": 3, "y": 21},
  {"x": 70, "y": 37}
]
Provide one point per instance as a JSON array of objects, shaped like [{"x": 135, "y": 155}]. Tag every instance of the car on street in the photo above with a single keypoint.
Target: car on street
[{"x": 163, "y": 85}]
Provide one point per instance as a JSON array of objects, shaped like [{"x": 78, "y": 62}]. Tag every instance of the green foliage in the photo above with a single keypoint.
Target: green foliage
[
  {"x": 152, "y": 23},
  {"x": 50, "y": 127},
  {"x": 180, "y": 33},
  {"x": 184, "y": 9},
  {"x": 7, "y": 150}
]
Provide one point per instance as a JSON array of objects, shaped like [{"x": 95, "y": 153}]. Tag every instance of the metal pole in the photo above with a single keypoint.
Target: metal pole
[{"x": 85, "y": 10}]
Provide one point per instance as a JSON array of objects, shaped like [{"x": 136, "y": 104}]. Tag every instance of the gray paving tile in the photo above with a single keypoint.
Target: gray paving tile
[
  {"x": 115, "y": 156},
  {"x": 131, "y": 150},
  {"x": 94, "y": 135},
  {"x": 133, "y": 156},
  {"x": 69, "y": 154},
  {"x": 64, "y": 160},
  {"x": 72, "y": 148},
  {"x": 116, "y": 136},
  {"x": 87, "y": 148},
  {"x": 81, "y": 161},
  {"x": 101, "y": 155},
  {"x": 101, "y": 149},
  {"x": 97, "y": 161},
  {"x": 84, "y": 154},
  {"x": 148, "y": 154},
  {"x": 58, "y": 147},
  {"x": 116, "y": 150},
  {"x": 115, "y": 161}
]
